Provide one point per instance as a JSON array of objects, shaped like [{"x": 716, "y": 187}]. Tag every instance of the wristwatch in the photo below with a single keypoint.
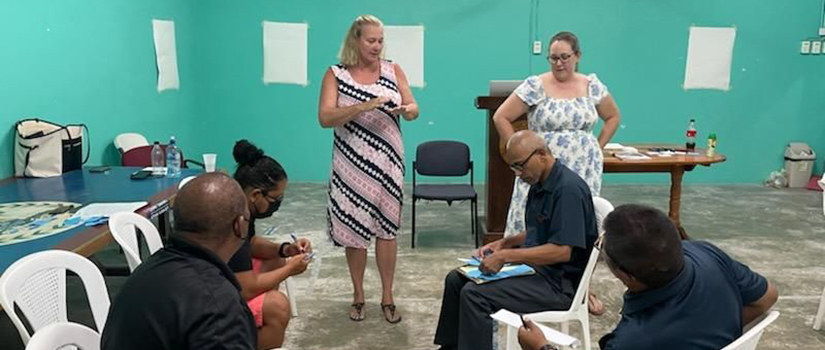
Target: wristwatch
[
  {"x": 281, "y": 252},
  {"x": 548, "y": 347}
]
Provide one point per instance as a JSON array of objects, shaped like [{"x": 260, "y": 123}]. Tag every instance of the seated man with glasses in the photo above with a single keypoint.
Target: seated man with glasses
[
  {"x": 184, "y": 296},
  {"x": 680, "y": 294},
  {"x": 560, "y": 232}
]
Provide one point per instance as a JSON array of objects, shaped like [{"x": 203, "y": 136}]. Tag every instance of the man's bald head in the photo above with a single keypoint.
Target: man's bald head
[
  {"x": 209, "y": 205},
  {"x": 528, "y": 156},
  {"x": 524, "y": 142}
]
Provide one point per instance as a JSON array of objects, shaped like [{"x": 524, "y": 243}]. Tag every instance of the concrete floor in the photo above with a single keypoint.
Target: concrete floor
[{"x": 778, "y": 233}]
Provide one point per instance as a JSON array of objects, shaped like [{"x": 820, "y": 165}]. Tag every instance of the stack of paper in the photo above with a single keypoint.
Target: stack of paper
[
  {"x": 513, "y": 320},
  {"x": 624, "y": 152},
  {"x": 613, "y": 147},
  {"x": 98, "y": 213},
  {"x": 634, "y": 155},
  {"x": 471, "y": 271}
]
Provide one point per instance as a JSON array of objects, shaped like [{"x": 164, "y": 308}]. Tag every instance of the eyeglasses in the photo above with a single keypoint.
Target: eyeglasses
[
  {"x": 563, "y": 57},
  {"x": 599, "y": 242},
  {"x": 273, "y": 199},
  {"x": 519, "y": 166},
  {"x": 599, "y": 245},
  {"x": 244, "y": 236}
]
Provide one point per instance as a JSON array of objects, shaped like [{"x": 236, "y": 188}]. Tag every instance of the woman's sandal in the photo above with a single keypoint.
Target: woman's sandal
[
  {"x": 390, "y": 313},
  {"x": 357, "y": 312}
]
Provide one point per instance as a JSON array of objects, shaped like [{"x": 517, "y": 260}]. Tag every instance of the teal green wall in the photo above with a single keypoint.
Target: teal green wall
[
  {"x": 637, "y": 47},
  {"x": 283, "y": 118},
  {"x": 92, "y": 61}
]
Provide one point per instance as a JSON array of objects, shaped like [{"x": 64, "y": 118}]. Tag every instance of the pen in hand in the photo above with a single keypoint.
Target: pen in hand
[{"x": 295, "y": 240}]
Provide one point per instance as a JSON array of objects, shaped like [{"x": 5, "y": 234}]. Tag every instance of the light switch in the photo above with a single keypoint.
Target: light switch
[
  {"x": 537, "y": 47},
  {"x": 816, "y": 47},
  {"x": 806, "y": 47}
]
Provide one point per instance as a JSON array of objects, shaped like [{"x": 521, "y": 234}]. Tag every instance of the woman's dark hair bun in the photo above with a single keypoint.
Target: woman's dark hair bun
[{"x": 246, "y": 153}]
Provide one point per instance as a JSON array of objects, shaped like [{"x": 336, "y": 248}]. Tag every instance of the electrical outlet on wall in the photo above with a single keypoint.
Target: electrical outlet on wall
[
  {"x": 816, "y": 47},
  {"x": 806, "y": 47},
  {"x": 537, "y": 47}
]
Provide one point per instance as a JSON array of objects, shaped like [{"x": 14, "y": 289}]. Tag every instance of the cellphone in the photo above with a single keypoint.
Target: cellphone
[
  {"x": 140, "y": 174},
  {"x": 99, "y": 169}
]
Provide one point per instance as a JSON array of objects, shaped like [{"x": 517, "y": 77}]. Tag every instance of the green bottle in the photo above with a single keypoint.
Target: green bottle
[{"x": 711, "y": 145}]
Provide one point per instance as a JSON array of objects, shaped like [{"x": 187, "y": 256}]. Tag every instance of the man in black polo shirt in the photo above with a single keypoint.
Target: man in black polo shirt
[
  {"x": 560, "y": 232},
  {"x": 184, "y": 296},
  {"x": 680, "y": 294}
]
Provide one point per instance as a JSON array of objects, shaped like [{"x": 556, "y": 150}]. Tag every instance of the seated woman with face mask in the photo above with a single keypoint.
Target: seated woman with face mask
[{"x": 260, "y": 265}]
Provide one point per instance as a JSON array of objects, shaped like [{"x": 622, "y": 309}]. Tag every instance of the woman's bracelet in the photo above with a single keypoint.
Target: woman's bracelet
[{"x": 281, "y": 250}]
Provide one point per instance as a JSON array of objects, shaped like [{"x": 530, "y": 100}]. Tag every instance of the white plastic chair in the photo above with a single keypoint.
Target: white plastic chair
[
  {"x": 820, "y": 313},
  {"x": 753, "y": 331},
  {"x": 59, "y": 335},
  {"x": 290, "y": 295},
  {"x": 578, "y": 308},
  {"x": 126, "y": 141},
  {"x": 123, "y": 228},
  {"x": 37, "y": 285},
  {"x": 185, "y": 180},
  {"x": 821, "y": 183},
  {"x": 123, "y": 225}
]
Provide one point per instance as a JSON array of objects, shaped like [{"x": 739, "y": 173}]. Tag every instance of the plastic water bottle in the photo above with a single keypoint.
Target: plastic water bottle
[
  {"x": 690, "y": 145},
  {"x": 172, "y": 159},
  {"x": 157, "y": 159}
]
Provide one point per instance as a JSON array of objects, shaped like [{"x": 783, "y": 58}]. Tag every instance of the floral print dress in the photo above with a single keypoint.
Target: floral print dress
[{"x": 567, "y": 126}]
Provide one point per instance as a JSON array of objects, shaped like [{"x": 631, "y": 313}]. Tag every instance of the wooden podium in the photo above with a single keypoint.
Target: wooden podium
[{"x": 499, "y": 176}]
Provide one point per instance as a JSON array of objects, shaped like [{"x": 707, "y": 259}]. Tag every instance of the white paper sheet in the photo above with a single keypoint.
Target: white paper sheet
[
  {"x": 710, "y": 52},
  {"x": 285, "y": 53},
  {"x": 166, "y": 54},
  {"x": 107, "y": 209},
  {"x": 405, "y": 45},
  {"x": 511, "y": 319}
]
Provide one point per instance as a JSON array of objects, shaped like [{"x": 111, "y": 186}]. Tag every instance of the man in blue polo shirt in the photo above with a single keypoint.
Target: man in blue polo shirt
[
  {"x": 561, "y": 230},
  {"x": 184, "y": 296},
  {"x": 681, "y": 294}
]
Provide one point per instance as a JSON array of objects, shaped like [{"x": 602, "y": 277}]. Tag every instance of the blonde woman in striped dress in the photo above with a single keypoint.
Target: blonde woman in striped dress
[{"x": 362, "y": 98}]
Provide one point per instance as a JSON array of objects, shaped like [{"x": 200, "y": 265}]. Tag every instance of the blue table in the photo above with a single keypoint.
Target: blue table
[{"x": 83, "y": 187}]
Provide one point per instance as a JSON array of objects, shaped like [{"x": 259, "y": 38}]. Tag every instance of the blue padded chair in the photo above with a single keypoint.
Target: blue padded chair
[{"x": 445, "y": 158}]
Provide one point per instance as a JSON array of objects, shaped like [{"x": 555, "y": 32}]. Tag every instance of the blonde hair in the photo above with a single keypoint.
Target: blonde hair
[{"x": 350, "y": 55}]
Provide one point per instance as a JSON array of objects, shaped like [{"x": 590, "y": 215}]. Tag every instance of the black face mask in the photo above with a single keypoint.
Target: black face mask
[{"x": 271, "y": 209}]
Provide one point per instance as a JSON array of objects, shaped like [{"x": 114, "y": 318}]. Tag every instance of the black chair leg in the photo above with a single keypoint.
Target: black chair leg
[
  {"x": 413, "y": 222},
  {"x": 472, "y": 230},
  {"x": 475, "y": 221}
]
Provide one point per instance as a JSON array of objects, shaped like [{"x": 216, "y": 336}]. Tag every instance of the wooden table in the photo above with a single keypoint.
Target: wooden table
[
  {"x": 84, "y": 187},
  {"x": 676, "y": 166},
  {"x": 500, "y": 178}
]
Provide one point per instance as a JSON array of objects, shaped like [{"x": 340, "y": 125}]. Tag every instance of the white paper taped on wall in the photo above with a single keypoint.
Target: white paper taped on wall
[
  {"x": 405, "y": 45},
  {"x": 710, "y": 53},
  {"x": 166, "y": 54},
  {"x": 285, "y": 53}
]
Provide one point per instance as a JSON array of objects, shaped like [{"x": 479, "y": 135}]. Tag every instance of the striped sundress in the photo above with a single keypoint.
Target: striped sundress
[{"x": 365, "y": 185}]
